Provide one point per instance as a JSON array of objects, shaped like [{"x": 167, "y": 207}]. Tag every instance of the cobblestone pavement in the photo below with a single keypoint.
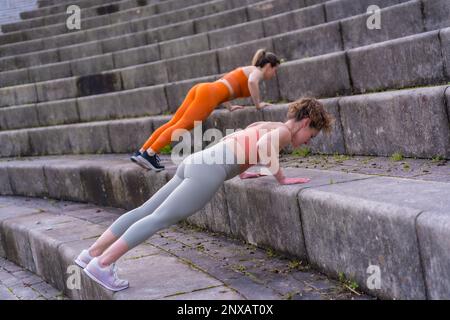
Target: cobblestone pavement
[
  {"x": 250, "y": 272},
  {"x": 17, "y": 283},
  {"x": 256, "y": 273}
]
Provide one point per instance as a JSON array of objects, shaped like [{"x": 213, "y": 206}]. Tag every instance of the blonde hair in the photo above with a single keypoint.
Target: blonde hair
[
  {"x": 262, "y": 57},
  {"x": 312, "y": 109}
]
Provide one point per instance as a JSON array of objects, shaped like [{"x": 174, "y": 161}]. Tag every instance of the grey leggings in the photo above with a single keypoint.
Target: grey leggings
[{"x": 191, "y": 188}]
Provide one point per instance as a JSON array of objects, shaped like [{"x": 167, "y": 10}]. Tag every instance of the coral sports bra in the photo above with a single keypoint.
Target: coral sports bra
[
  {"x": 239, "y": 82},
  {"x": 250, "y": 154}
]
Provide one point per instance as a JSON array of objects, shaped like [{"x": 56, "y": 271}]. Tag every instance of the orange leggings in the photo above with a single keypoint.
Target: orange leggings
[{"x": 200, "y": 101}]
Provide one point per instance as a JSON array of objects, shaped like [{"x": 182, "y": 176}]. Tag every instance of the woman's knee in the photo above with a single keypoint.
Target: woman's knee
[
  {"x": 120, "y": 225},
  {"x": 186, "y": 122},
  {"x": 143, "y": 229},
  {"x": 158, "y": 221},
  {"x": 127, "y": 219}
]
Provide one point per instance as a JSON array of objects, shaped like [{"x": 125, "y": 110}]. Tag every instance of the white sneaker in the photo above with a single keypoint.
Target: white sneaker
[
  {"x": 106, "y": 276},
  {"x": 83, "y": 258}
]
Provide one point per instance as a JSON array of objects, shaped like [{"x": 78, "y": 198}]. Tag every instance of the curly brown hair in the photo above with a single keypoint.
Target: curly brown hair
[{"x": 313, "y": 109}]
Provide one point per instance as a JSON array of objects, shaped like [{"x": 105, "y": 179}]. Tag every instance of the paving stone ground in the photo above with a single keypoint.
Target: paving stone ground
[
  {"x": 17, "y": 283},
  {"x": 244, "y": 271}
]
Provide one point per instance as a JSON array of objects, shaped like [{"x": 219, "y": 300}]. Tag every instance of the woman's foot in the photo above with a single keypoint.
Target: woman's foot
[
  {"x": 83, "y": 258},
  {"x": 105, "y": 276},
  {"x": 149, "y": 162}
]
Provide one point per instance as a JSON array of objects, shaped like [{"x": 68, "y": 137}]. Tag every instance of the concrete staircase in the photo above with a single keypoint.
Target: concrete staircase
[
  {"x": 181, "y": 262},
  {"x": 10, "y": 10},
  {"x": 75, "y": 104}
]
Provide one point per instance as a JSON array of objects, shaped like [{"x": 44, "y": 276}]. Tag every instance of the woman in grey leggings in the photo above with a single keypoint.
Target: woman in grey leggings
[{"x": 196, "y": 181}]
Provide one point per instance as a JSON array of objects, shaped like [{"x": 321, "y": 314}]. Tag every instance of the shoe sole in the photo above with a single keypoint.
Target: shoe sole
[
  {"x": 142, "y": 165},
  {"x": 90, "y": 275},
  {"x": 147, "y": 165}
]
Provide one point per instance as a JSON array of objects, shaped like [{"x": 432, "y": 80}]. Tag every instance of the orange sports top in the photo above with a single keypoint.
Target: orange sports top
[{"x": 239, "y": 82}]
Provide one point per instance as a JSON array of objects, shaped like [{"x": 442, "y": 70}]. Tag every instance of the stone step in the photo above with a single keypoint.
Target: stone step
[
  {"x": 180, "y": 262},
  {"x": 398, "y": 166},
  {"x": 102, "y": 9},
  {"x": 365, "y": 125},
  {"x": 278, "y": 24},
  {"x": 155, "y": 14},
  {"x": 42, "y": 47},
  {"x": 139, "y": 49},
  {"x": 48, "y": 3},
  {"x": 437, "y": 7},
  {"x": 176, "y": 44},
  {"x": 226, "y": 59},
  {"x": 421, "y": 59},
  {"x": 60, "y": 6},
  {"x": 10, "y": 10},
  {"x": 342, "y": 223},
  {"x": 143, "y": 26},
  {"x": 279, "y": 30}
]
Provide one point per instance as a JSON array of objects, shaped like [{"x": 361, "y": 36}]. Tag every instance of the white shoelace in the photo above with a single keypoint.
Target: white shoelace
[
  {"x": 114, "y": 270},
  {"x": 116, "y": 277}
]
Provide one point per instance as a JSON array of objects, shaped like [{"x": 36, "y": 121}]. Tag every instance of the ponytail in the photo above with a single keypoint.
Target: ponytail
[{"x": 262, "y": 57}]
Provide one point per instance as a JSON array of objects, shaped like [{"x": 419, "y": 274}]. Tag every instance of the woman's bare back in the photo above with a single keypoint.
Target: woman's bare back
[{"x": 248, "y": 138}]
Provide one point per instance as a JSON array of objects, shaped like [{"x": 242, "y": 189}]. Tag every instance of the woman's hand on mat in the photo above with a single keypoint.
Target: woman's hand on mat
[
  {"x": 294, "y": 180},
  {"x": 250, "y": 175},
  {"x": 236, "y": 107}
]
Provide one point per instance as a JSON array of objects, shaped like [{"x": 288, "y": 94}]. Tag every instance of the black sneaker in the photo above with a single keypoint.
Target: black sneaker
[
  {"x": 149, "y": 162},
  {"x": 135, "y": 155}
]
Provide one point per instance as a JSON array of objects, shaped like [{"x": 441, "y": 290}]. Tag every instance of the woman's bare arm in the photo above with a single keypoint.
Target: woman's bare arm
[
  {"x": 253, "y": 86},
  {"x": 269, "y": 142},
  {"x": 269, "y": 146}
]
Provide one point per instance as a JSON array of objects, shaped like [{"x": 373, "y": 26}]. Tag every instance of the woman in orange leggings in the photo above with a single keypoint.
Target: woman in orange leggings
[{"x": 203, "y": 98}]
